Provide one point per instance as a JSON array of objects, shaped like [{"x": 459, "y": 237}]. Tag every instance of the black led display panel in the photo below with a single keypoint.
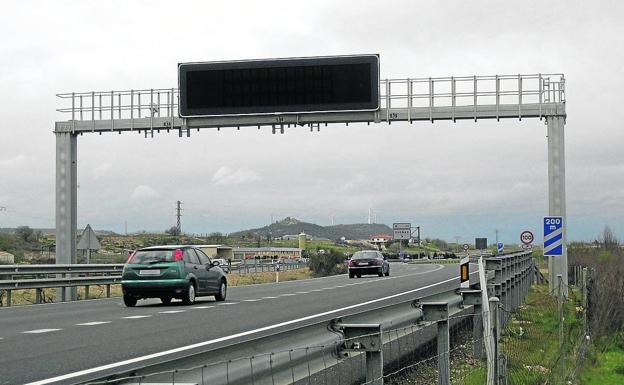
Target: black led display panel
[{"x": 339, "y": 83}]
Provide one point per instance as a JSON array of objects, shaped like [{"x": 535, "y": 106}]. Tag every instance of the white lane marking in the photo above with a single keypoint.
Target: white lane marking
[
  {"x": 228, "y": 303},
  {"x": 252, "y": 300},
  {"x": 202, "y": 307},
  {"x": 227, "y": 338},
  {"x": 287, "y": 295},
  {"x": 137, "y": 316},
  {"x": 39, "y": 331},
  {"x": 268, "y": 297},
  {"x": 94, "y": 323},
  {"x": 171, "y": 311},
  {"x": 339, "y": 286},
  {"x": 317, "y": 290},
  {"x": 302, "y": 292}
]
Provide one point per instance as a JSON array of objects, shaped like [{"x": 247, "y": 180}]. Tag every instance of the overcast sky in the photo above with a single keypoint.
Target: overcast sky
[{"x": 454, "y": 179}]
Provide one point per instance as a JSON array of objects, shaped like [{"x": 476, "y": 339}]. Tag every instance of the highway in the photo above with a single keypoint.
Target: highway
[{"x": 71, "y": 342}]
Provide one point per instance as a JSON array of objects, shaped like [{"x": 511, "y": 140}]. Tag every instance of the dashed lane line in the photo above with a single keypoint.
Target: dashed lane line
[
  {"x": 202, "y": 307},
  {"x": 171, "y": 311},
  {"x": 252, "y": 300},
  {"x": 137, "y": 316},
  {"x": 39, "y": 331},
  {"x": 94, "y": 323}
]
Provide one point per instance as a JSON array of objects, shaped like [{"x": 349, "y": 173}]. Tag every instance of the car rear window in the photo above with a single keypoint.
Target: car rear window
[
  {"x": 364, "y": 255},
  {"x": 152, "y": 256}
]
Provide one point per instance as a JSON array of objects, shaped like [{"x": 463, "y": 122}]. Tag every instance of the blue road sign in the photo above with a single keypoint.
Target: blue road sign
[
  {"x": 553, "y": 236},
  {"x": 500, "y": 247}
]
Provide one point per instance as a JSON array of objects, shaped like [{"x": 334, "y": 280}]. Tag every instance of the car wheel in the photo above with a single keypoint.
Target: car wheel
[
  {"x": 189, "y": 294},
  {"x": 351, "y": 275},
  {"x": 165, "y": 300},
  {"x": 358, "y": 275},
  {"x": 380, "y": 273},
  {"x": 388, "y": 272},
  {"x": 222, "y": 291},
  {"x": 129, "y": 300}
]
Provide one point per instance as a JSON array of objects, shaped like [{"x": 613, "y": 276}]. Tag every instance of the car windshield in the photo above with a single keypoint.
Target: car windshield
[
  {"x": 152, "y": 256},
  {"x": 364, "y": 255}
]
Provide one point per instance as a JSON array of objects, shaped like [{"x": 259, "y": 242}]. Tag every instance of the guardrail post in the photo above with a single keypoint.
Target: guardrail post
[
  {"x": 366, "y": 338},
  {"x": 494, "y": 322},
  {"x": 86, "y": 296},
  {"x": 438, "y": 312},
  {"x": 8, "y": 297},
  {"x": 37, "y": 295},
  {"x": 108, "y": 291},
  {"x": 444, "y": 357},
  {"x": 477, "y": 331}
]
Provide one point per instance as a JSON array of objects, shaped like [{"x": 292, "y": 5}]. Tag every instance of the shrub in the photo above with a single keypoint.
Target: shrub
[{"x": 329, "y": 263}]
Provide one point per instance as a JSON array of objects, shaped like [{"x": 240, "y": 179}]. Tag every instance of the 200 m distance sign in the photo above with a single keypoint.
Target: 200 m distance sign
[{"x": 553, "y": 236}]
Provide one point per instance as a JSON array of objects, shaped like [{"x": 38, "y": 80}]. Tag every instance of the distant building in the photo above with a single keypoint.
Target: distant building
[
  {"x": 380, "y": 240},
  {"x": 241, "y": 253},
  {"x": 7, "y": 258},
  {"x": 292, "y": 237},
  {"x": 217, "y": 251}
]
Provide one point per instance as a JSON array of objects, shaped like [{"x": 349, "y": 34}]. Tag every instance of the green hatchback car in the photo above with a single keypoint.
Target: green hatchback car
[{"x": 168, "y": 272}]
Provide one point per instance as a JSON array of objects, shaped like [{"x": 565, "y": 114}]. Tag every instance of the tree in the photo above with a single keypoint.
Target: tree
[
  {"x": 25, "y": 233},
  {"x": 608, "y": 240},
  {"x": 173, "y": 230}
]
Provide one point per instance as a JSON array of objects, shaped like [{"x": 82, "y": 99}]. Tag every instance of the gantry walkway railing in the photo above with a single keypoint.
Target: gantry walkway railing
[{"x": 417, "y": 99}]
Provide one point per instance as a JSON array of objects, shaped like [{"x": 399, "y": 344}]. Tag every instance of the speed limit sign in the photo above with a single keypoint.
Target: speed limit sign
[{"x": 526, "y": 237}]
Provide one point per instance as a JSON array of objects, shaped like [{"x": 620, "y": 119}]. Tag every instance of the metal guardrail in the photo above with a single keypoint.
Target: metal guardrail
[
  {"x": 39, "y": 277},
  {"x": 321, "y": 349}
]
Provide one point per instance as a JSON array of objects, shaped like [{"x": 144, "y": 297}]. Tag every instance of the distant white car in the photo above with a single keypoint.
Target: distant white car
[{"x": 222, "y": 263}]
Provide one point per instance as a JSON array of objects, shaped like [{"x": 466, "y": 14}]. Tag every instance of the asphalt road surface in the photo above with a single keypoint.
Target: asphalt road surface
[{"x": 70, "y": 342}]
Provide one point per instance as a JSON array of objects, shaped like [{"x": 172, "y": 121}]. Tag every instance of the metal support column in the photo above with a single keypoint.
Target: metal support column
[
  {"x": 66, "y": 203},
  {"x": 556, "y": 195}
]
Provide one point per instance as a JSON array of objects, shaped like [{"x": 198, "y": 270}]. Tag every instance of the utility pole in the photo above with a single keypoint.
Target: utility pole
[
  {"x": 178, "y": 215},
  {"x": 369, "y": 215}
]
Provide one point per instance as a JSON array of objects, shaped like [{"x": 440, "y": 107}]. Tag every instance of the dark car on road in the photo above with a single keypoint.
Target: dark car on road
[
  {"x": 168, "y": 272},
  {"x": 368, "y": 262}
]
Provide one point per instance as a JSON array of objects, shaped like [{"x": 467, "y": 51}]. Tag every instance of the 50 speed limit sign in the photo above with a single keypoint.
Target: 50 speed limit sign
[{"x": 527, "y": 237}]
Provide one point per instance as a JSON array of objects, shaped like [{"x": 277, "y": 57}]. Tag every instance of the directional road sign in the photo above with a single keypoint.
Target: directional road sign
[
  {"x": 500, "y": 247},
  {"x": 402, "y": 230},
  {"x": 553, "y": 236},
  {"x": 526, "y": 237},
  {"x": 466, "y": 247}
]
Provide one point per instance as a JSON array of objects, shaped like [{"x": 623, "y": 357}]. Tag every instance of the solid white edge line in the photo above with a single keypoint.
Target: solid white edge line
[{"x": 226, "y": 338}]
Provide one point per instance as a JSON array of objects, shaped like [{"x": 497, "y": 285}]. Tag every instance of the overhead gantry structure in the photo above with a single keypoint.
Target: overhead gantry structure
[{"x": 151, "y": 111}]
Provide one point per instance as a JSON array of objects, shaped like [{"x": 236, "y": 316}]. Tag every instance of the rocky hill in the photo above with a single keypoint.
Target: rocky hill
[{"x": 290, "y": 226}]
